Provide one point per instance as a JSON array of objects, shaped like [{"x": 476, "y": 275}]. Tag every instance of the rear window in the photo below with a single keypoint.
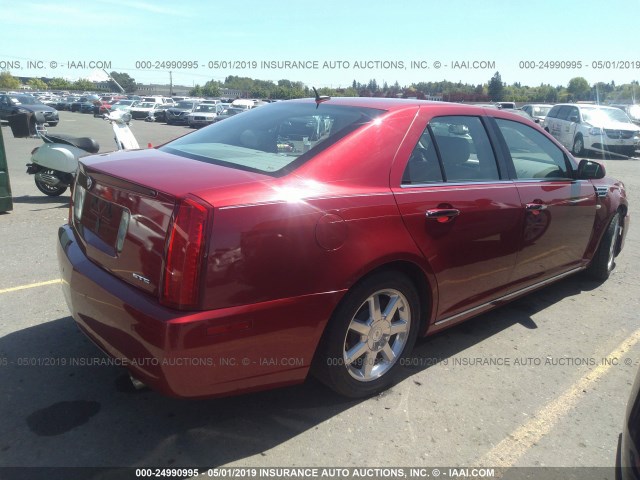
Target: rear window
[{"x": 273, "y": 139}]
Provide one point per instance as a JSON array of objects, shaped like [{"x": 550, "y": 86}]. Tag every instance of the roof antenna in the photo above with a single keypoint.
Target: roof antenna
[{"x": 320, "y": 98}]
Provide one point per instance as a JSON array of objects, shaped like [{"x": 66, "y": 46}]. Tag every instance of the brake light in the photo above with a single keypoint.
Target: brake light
[{"x": 185, "y": 249}]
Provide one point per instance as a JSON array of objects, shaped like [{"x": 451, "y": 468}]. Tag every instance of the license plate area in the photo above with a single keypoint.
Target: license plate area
[{"x": 100, "y": 224}]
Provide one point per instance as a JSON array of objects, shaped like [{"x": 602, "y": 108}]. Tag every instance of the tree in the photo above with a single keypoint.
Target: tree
[
  {"x": 8, "y": 82},
  {"x": 211, "y": 89},
  {"x": 496, "y": 88},
  {"x": 59, "y": 84},
  {"x": 579, "y": 89},
  {"x": 129, "y": 84},
  {"x": 84, "y": 84},
  {"x": 37, "y": 84},
  {"x": 196, "y": 91}
]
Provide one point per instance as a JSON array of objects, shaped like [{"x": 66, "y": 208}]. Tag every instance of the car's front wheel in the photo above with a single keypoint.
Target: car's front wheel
[
  {"x": 603, "y": 261},
  {"x": 373, "y": 328},
  {"x": 578, "y": 146}
]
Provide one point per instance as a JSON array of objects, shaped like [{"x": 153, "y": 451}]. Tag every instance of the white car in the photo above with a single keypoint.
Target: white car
[
  {"x": 142, "y": 109},
  {"x": 583, "y": 128},
  {"x": 204, "y": 114}
]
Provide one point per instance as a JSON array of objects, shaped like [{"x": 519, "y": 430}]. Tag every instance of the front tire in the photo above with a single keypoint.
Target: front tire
[
  {"x": 578, "y": 146},
  {"x": 373, "y": 328},
  {"x": 603, "y": 261}
]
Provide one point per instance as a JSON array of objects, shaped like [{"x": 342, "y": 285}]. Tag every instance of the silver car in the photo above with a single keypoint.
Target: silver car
[{"x": 537, "y": 111}]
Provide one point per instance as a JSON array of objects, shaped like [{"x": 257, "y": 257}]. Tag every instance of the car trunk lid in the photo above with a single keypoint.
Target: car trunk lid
[{"x": 125, "y": 208}]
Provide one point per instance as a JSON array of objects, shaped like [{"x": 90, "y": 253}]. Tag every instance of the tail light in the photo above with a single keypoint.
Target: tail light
[{"x": 186, "y": 244}]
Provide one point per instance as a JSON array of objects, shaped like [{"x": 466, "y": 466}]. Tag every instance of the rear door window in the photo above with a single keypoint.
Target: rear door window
[{"x": 452, "y": 149}]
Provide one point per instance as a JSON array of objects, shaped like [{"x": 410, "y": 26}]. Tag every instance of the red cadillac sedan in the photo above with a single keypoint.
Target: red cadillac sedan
[{"x": 324, "y": 235}]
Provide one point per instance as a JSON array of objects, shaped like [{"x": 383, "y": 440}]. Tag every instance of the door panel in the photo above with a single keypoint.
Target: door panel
[
  {"x": 473, "y": 253},
  {"x": 559, "y": 212},
  {"x": 556, "y": 236},
  {"x": 463, "y": 216}
]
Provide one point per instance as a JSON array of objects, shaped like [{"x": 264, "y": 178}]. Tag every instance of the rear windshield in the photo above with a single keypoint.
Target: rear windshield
[{"x": 273, "y": 139}]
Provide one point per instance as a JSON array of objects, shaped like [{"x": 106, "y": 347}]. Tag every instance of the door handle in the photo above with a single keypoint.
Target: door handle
[
  {"x": 442, "y": 215},
  {"x": 535, "y": 207}
]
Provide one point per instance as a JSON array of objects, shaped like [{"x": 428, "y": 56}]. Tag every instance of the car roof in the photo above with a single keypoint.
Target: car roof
[
  {"x": 389, "y": 104},
  {"x": 583, "y": 105}
]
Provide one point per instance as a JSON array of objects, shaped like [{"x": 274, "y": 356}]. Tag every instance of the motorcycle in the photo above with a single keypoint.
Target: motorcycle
[{"x": 54, "y": 164}]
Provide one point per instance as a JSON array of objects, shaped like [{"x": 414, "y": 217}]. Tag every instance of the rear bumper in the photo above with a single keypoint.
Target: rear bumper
[
  {"x": 193, "y": 354},
  {"x": 199, "y": 122}
]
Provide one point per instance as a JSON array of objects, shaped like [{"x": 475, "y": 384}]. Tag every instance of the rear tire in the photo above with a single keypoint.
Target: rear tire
[
  {"x": 603, "y": 261},
  {"x": 373, "y": 328},
  {"x": 48, "y": 189}
]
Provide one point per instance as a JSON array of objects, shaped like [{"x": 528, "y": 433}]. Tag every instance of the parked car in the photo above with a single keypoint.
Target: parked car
[
  {"x": 159, "y": 113},
  {"x": 124, "y": 105},
  {"x": 252, "y": 247},
  {"x": 142, "y": 109},
  {"x": 158, "y": 99},
  {"x": 228, "y": 112},
  {"x": 180, "y": 111},
  {"x": 584, "y": 128},
  {"x": 537, "y": 111},
  {"x": 204, "y": 114},
  {"x": 65, "y": 103},
  {"x": 630, "y": 446},
  {"x": 85, "y": 103},
  {"x": 11, "y": 104},
  {"x": 632, "y": 110}
]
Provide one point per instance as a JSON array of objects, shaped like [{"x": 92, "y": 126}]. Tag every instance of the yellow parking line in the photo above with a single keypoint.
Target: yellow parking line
[
  {"x": 31, "y": 285},
  {"x": 515, "y": 445}
]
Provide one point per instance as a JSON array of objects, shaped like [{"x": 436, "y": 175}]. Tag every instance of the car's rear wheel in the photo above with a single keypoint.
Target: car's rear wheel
[
  {"x": 603, "y": 261},
  {"x": 578, "y": 145},
  {"x": 50, "y": 190},
  {"x": 373, "y": 328}
]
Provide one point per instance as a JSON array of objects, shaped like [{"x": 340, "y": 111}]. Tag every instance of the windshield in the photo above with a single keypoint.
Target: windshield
[
  {"x": 146, "y": 105},
  {"x": 541, "y": 111},
  {"x": 273, "y": 139},
  {"x": 605, "y": 115}
]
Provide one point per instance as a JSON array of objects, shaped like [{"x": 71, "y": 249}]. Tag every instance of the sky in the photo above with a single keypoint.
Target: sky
[{"x": 329, "y": 43}]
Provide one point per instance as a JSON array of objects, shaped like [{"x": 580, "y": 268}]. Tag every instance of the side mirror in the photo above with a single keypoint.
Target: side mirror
[
  {"x": 590, "y": 170},
  {"x": 574, "y": 119}
]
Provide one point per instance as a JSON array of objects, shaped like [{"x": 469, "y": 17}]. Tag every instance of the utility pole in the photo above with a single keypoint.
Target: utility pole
[{"x": 170, "y": 83}]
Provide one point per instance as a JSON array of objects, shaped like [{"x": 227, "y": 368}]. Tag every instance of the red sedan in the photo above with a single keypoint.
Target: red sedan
[{"x": 324, "y": 236}]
